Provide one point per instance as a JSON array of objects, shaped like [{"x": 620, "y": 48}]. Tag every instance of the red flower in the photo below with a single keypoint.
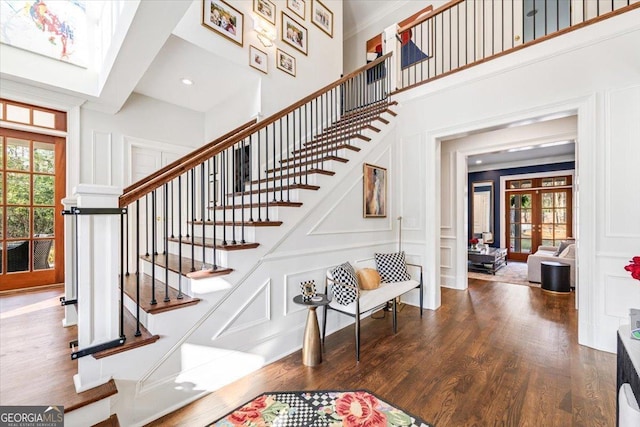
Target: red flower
[
  {"x": 634, "y": 267},
  {"x": 474, "y": 241},
  {"x": 249, "y": 412},
  {"x": 358, "y": 409}
]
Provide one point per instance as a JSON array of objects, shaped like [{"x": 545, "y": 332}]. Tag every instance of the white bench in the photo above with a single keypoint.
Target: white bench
[{"x": 369, "y": 301}]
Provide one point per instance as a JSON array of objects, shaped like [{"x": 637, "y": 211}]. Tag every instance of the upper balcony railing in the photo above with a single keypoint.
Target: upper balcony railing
[{"x": 464, "y": 33}]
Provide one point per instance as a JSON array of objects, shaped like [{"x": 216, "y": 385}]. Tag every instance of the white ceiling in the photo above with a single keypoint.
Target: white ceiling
[
  {"x": 536, "y": 155},
  {"x": 215, "y": 79}
]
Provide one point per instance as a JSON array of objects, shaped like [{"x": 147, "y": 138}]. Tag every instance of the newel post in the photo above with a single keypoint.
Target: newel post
[
  {"x": 70, "y": 278},
  {"x": 98, "y": 241}
]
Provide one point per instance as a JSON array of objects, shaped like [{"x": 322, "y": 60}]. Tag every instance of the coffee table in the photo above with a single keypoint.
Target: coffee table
[{"x": 487, "y": 260}]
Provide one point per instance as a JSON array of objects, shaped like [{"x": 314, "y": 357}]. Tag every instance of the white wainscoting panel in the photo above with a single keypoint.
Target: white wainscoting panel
[
  {"x": 101, "y": 158},
  {"x": 292, "y": 287},
  {"x": 622, "y": 173},
  {"x": 412, "y": 180},
  {"x": 445, "y": 257},
  {"x": 621, "y": 293},
  {"x": 256, "y": 310}
]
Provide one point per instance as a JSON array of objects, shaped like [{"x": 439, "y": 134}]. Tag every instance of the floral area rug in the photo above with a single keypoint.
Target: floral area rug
[
  {"x": 319, "y": 408},
  {"x": 514, "y": 272}
]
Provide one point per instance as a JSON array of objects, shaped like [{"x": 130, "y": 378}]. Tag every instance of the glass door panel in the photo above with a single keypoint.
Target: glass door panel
[
  {"x": 537, "y": 216},
  {"x": 32, "y": 186}
]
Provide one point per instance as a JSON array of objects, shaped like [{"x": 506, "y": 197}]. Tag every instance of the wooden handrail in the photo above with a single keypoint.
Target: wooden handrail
[
  {"x": 157, "y": 179},
  {"x": 429, "y": 15},
  {"x": 193, "y": 159}
]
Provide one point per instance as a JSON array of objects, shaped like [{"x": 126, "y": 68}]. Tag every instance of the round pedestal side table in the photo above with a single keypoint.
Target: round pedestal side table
[
  {"x": 555, "y": 277},
  {"x": 311, "y": 344}
]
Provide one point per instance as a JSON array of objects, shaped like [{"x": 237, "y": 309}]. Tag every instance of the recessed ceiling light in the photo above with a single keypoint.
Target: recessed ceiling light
[
  {"x": 478, "y": 162},
  {"x": 513, "y": 150},
  {"x": 186, "y": 81}
]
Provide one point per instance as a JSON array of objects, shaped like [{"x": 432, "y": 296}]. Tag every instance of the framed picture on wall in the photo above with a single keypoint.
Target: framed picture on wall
[
  {"x": 374, "y": 191},
  {"x": 285, "y": 62},
  {"x": 258, "y": 59},
  {"x": 294, "y": 33},
  {"x": 298, "y": 7},
  {"x": 322, "y": 17},
  {"x": 265, "y": 9},
  {"x": 220, "y": 17}
]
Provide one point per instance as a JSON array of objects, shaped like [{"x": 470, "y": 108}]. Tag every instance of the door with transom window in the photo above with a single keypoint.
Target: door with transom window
[
  {"x": 539, "y": 212},
  {"x": 32, "y": 185}
]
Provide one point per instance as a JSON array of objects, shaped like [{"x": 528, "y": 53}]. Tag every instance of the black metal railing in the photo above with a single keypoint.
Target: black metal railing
[
  {"x": 463, "y": 33},
  {"x": 206, "y": 201}
]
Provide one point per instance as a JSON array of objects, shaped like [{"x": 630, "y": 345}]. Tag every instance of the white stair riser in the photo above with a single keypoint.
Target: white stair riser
[
  {"x": 224, "y": 258},
  {"x": 174, "y": 281},
  {"x": 255, "y": 212}
]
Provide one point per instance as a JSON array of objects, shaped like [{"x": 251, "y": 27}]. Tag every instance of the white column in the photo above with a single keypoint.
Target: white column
[
  {"x": 70, "y": 311},
  {"x": 391, "y": 45},
  {"x": 98, "y": 270}
]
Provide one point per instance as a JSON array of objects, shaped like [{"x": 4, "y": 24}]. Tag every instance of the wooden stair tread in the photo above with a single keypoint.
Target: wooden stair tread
[
  {"x": 112, "y": 421},
  {"x": 132, "y": 341},
  {"x": 294, "y": 174},
  {"x": 321, "y": 147},
  {"x": 310, "y": 162},
  {"x": 314, "y": 145},
  {"x": 276, "y": 189},
  {"x": 208, "y": 242},
  {"x": 146, "y": 295},
  {"x": 346, "y": 132},
  {"x": 174, "y": 263},
  {"x": 261, "y": 205},
  {"x": 246, "y": 223},
  {"x": 94, "y": 395},
  {"x": 320, "y": 151}
]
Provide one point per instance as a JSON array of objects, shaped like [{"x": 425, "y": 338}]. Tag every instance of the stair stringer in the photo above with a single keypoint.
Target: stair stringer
[{"x": 222, "y": 324}]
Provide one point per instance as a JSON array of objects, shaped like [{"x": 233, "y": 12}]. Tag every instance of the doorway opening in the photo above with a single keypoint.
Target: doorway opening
[{"x": 32, "y": 182}]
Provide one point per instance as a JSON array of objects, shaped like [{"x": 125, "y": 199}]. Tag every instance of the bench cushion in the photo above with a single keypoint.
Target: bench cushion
[{"x": 377, "y": 297}]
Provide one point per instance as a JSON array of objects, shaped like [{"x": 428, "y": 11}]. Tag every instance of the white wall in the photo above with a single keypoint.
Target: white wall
[
  {"x": 104, "y": 153},
  {"x": 320, "y": 66},
  {"x": 594, "y": 72},
  {"x": 453, "y": 185}
]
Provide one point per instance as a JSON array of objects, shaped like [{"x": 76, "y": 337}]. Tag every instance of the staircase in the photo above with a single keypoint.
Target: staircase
[{"x": 197, "y": 230}]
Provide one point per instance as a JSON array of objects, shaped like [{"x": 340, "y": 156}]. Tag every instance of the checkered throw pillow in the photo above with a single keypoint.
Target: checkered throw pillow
[
  {"x": 392, "y": 267},
  {"x": 344, "y": 273}
]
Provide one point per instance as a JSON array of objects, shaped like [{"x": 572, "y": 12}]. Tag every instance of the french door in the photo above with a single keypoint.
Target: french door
[
  {"x": 32, "y": 184},
  {"x": 539, "y": 212}
]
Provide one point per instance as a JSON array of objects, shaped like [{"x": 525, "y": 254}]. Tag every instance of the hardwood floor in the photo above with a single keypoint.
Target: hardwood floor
[
  {"x": 35, "y": 358},
  {"x": 496, "y": 354}
]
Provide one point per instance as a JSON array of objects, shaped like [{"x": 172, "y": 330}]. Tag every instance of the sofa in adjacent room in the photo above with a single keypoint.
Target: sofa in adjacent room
[{"x": 565, "y": 254}]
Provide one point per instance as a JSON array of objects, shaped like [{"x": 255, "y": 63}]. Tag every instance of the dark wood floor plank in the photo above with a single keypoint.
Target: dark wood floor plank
[
  {"x": 497, "y": 354},
  {"x": 35, "y": 358}
]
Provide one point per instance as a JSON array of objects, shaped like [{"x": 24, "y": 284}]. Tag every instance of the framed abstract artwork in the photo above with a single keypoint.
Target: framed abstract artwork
[
  {"x": 220, "y": 17},
  {"x": 374, "y": 191}
]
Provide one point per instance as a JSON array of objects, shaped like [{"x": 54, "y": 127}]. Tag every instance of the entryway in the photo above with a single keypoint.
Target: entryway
[{"x": 32, "y": 182}]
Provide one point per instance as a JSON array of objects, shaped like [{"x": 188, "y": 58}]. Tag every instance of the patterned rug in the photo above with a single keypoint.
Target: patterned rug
[
  {"x": 513, "y": 272},
  {"x": 319, "y": 408}
]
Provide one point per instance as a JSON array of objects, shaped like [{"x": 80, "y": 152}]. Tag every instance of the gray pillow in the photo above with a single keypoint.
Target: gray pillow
[{"x": 562, "y": 247}]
